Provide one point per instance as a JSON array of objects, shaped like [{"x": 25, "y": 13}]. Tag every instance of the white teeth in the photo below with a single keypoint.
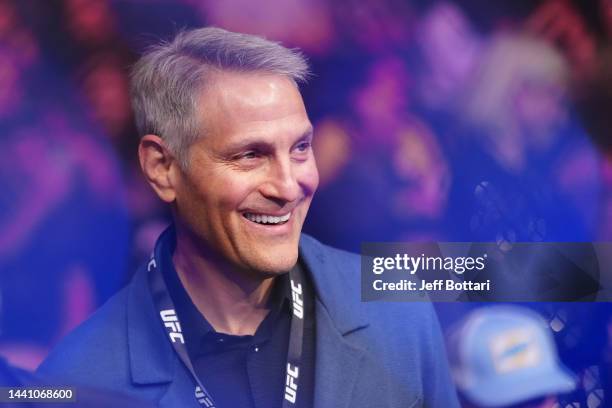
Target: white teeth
[{"x": 267, "y": 219}]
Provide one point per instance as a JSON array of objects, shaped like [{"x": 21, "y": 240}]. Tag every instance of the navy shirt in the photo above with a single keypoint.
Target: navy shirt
[{"x": 245, "y": 371}]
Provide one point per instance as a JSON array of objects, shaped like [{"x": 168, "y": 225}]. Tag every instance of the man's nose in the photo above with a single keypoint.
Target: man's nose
[{"x": 282, "y": 184}]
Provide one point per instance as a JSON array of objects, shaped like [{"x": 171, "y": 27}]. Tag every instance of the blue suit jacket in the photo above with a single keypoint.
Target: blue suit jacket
[{"x": 367, "y": 354}]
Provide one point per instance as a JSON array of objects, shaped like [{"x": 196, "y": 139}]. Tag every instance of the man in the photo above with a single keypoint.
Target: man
[
  {"x": 236, "y": 308},
  {"x": 505, "y": 356}
]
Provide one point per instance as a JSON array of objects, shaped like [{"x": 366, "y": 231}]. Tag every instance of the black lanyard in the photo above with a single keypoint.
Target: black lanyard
[{"x": 167, "y": 313}]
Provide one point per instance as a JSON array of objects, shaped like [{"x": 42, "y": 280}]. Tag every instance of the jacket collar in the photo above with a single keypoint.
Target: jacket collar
[
  {"x": 338, "y": 363},
  {"x": 152, "y": 359},
  {"x": 338, "y": 291},
  {"x": 151, "y": 355}
]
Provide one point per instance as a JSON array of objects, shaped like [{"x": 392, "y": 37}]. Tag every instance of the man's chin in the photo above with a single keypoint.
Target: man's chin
[
  {"x": 273, "y": 266},
  {"x": 277, "y": 268},
  {"x": 269, "y": 256}
]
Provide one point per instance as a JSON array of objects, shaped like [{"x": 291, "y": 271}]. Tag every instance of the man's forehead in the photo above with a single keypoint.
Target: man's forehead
[
  {"x": 253, "y": 95},
  {"x": 252, "y": 103}
]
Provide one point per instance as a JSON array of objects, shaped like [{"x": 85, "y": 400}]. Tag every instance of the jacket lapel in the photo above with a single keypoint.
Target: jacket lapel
[
  {"x": 152, "y": 360},
  {"x": 338, "y": 363},
  {"x": 151, "y": 355},
  {"x": 178, "y": 392}
]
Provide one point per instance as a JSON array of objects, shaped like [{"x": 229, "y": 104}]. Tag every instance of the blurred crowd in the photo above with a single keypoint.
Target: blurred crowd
[{"x": 434, "y": 120}]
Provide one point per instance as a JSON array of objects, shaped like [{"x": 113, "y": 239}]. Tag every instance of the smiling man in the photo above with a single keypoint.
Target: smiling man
[{"x": 237, "y": 308}]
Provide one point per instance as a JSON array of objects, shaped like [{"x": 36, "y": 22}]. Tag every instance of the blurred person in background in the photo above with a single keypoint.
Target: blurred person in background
[
  {"x": 498, "y": 103},
  {"x": 593, "y": 95},
  {"x": 99, "y": 57},
  {"x": 62, "y": 198},
  {"x": 375, "y": 28},
  {"x": 524, "y": 169},
  {"x": 562, "y": 24},
  {"x": 394, "y": 155},
  {"x": 64, "y": 235},
  {"x": 505, "y": 356},
  {"x": 275, "y": 19},
  {"x": 103, "y": 87},
  {"x": 450, "y": 50}
]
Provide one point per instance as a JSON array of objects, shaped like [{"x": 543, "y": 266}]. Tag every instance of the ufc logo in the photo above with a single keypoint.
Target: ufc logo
[
  {"x": 203, "y": 398},
  {"x": 298, "y": 303},
  {"x": 172, "y": 323},
  {"x": 290, "y": 383}
]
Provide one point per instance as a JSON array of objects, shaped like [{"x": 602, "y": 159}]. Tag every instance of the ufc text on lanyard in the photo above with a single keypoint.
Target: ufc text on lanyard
[{"x": 167, "y": 313}]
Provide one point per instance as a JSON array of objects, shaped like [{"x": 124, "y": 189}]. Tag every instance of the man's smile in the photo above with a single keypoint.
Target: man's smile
[{"x": 267, "y": 219}]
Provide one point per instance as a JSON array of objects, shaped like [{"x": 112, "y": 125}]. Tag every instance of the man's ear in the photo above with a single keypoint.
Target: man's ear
[{"x": 159, "y": 166}]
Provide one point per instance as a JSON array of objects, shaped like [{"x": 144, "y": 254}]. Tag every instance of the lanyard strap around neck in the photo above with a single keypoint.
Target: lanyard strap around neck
[{"x": 167, "y": 313}]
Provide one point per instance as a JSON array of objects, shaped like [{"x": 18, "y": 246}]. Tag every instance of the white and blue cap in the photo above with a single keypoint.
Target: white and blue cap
[{"x": 505, "y": 355}]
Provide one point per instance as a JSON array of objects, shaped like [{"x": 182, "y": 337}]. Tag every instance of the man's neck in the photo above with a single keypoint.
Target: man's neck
[{"x": 233, "y": 302}]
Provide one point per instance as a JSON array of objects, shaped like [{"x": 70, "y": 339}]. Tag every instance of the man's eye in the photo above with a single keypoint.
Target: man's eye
[
  {"x": 303, "y": 146},
  {"x": 249, "y": 155}
]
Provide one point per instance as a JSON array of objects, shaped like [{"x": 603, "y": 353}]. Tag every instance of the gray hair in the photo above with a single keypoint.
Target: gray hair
[{"x": 167, "y": 81}]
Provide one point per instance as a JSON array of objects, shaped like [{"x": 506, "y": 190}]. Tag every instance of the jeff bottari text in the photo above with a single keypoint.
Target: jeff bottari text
[{"x": 422, "y": 263}]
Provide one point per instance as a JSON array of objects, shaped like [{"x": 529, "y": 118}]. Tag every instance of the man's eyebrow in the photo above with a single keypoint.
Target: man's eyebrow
[
  {"x": 258, "y": 142},
  {"x": 306, "y": 134},
  {"x": 248, "y": 142}
]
